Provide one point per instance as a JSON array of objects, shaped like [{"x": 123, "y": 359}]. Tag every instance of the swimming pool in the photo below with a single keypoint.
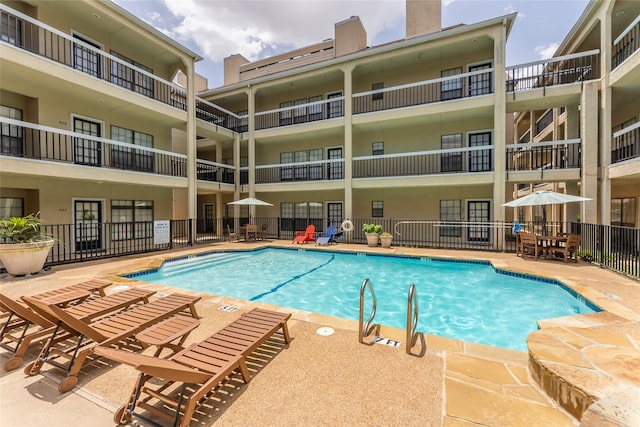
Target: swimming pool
[{"x": 468, "y": 300}]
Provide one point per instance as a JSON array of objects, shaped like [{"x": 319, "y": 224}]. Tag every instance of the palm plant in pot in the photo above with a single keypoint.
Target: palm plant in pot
[
  {"x": 23, "y": 245},
  {"x": 372, "y": 231}
]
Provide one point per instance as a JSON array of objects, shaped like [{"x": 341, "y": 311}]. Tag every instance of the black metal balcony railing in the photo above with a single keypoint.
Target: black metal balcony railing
[
  {"x": 465, "y": 85},
  {"x": 303, "y": 113},
  {"x": 578, "y": 67},
  {"x": 26, "y": 33},
  {"x": 27, "y": 140},
  {"x": 626, "y": 144},
  {"x": 448, "y": 161},
  {"x": 544, "y": 156},
  {"x": 626, "y": 43},
  {"x": 322, "y": 170}
]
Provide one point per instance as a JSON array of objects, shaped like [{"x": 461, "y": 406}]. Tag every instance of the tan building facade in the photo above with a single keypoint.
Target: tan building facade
[{"x": 105, "y": 121}]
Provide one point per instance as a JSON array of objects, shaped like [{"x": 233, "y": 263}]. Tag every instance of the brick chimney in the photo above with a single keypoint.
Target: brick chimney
[{"x": 423, "y": 17}]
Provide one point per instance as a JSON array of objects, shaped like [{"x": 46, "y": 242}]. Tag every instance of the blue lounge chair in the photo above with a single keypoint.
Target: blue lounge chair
[{"x": 328, "y": 237}]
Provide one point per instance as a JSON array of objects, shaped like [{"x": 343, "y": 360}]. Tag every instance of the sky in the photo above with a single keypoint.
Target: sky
[{"x": 257, "y": 29}]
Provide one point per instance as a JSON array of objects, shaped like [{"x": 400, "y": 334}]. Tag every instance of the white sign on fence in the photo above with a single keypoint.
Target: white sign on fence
[{"x": 161, "y": 233}]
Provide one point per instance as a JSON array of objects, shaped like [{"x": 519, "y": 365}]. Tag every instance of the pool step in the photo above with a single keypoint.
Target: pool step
[{"x": 194, "y": 263}]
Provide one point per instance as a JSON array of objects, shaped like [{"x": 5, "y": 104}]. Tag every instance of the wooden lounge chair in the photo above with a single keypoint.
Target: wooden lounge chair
[
  {"x": 529, "y": 244},
  {"x": 305, "y": 236},
  {"x": 204, "y": 366},
  {"x": 328, "y": 237},
  {"x": 24, "y": 326},
  {"x": 90, "y": 286},
  {"x": 111, "y": 330},
  {"x": 569, "y": 250}
]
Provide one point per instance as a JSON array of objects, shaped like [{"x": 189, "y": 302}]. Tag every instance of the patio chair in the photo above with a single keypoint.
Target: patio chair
[
  {"x": 305, "y": 236},
  {"x": 24, "y": 326},
  {"x": 262, "y": 233},
  {"x": 201, "y": 368},
  {"x": 111, "y": 330},
  {"x": 328, "y": 237},
  {"x": 232, "y": 235},
  {"x": 250, "y": 232},
  {"x": 569, "y": 250},
  {"x": 529, "y": 244}
]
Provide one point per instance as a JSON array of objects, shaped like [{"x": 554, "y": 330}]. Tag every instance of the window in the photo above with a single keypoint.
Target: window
[
  {"x": 300, "y": 113},
  {"x": 377, "y": 209},
  {"x": 380, "y": 95},
  {"x": 479, "y": 160},
  {"x": 315, "y": 111},
  {"x": 11, "y": 29},
  {"x": 377, "y": 148},
  {"x": 11, "y": 206},
  {"x": 129, "y": 78},
  {"x": 132, "y": 219},
  {"x": 297, "y": 216},
  {"x": 130, "y": 158},
  {"x": 450, "y": 210},
  {"x": 86, "y": 59},
  {"x": 287, "y": 219},
  {"x": 315, "y": 170},
  {"x": 87, "y": 151},
  {"x": 286, "y": 115},
  {"x": 480, "y": 84},
  {"x": 300, "y": 170},
  {"x": 286, "y": 172},
  {"x": 623, "y": 212},
  {"x": 451, "y": 162},
  {"x": 244, "y": 170},
  {"x": 451, "y": 88},
  {"x": 11, "y": 135}
]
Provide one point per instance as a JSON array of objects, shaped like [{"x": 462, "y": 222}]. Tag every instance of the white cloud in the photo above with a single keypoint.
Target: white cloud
[
  {"x": 253, "y": 27},
  {"x": 546, "y": 51}
]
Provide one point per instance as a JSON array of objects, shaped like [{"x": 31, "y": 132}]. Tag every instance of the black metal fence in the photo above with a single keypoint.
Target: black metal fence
[{"x": 612, "y": 247}]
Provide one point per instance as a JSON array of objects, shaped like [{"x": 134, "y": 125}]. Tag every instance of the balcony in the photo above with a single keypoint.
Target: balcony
[
  {"x": 31, "y": 141},
  {"x": 465, "y": 85},
  {"x": 626, "y": 43},
  {"x": 578, "y": 67},
  {"x": 23, "y": 32},
  {"x": 303, "y": 113},
  {"x": 554, "y": 155},
  {"x": 319, "y": 170},
  {"x": 544, "y": 121},
  {"x": 625, "y": 144},
  {"x": 447, "y": 161}
]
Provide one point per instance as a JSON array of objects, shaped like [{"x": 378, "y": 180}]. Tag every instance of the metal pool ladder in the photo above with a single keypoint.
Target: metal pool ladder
[
  {"x": 365, "y": 328},
  {"x": 412, "y": 317}
]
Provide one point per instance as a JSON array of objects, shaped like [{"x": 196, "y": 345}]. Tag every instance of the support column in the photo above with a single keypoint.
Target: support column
[
  {"x": 348, "y": 142},
  {"x": 499, "y": 131},
  {"x": 604, "y": 203},
  {"x": 192, "y": 153},
  {"x": 572, "y": 210},
  {"x": 589, "y": 122}
]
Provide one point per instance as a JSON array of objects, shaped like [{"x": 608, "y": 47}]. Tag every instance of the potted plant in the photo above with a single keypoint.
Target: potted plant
[
  {"x": 23, "y": 246},
  {"x": 372, "y": 231},
  {"x": 385, "y": 240}
]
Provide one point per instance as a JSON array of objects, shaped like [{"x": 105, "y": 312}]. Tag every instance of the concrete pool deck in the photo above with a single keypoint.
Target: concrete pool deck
[{"x": 333, "y": 380}]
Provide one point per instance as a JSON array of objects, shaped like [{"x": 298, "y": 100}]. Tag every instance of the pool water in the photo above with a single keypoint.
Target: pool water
[{"x": 470, "y": 301}]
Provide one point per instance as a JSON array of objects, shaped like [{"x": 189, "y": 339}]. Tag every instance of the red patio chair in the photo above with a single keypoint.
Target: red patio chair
[{"x": 305, "y": 236}]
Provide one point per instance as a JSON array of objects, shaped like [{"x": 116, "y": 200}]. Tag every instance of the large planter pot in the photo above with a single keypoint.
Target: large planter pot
[
  {"x": 372, "y": 239},
  {"x": 385, "y": 241},
  {"x": 24, "y": 258}
]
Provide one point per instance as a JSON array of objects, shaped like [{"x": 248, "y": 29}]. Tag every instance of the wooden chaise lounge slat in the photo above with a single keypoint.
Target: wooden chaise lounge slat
[
  {"x": 24, "y": 326},
  {"x": 107, "y": 331},
  {"x": 206, "y": 366}
]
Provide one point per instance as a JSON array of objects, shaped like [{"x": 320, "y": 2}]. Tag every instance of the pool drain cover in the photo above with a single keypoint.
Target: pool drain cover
[{"x": 325, "y": 331}]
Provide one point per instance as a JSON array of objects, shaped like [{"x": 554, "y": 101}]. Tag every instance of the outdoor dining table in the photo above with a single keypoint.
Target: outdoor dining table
[
  {"x": 249, "y": 231},
  {"x": 549, "y": 242}
]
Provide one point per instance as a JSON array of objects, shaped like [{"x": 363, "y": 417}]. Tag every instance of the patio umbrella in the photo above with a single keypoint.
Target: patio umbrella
[
  {"x": 543, "y": 198},
  {"x": 250, "y": 201}
]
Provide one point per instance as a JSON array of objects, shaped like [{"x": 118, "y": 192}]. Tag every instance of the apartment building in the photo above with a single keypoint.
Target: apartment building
[{"x": 104, "y": 121}]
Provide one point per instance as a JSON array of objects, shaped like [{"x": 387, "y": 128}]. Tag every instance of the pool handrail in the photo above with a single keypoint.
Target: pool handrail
[
  {"x": 365, "y": 328},
  {"x": 412, "y": 317}
]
